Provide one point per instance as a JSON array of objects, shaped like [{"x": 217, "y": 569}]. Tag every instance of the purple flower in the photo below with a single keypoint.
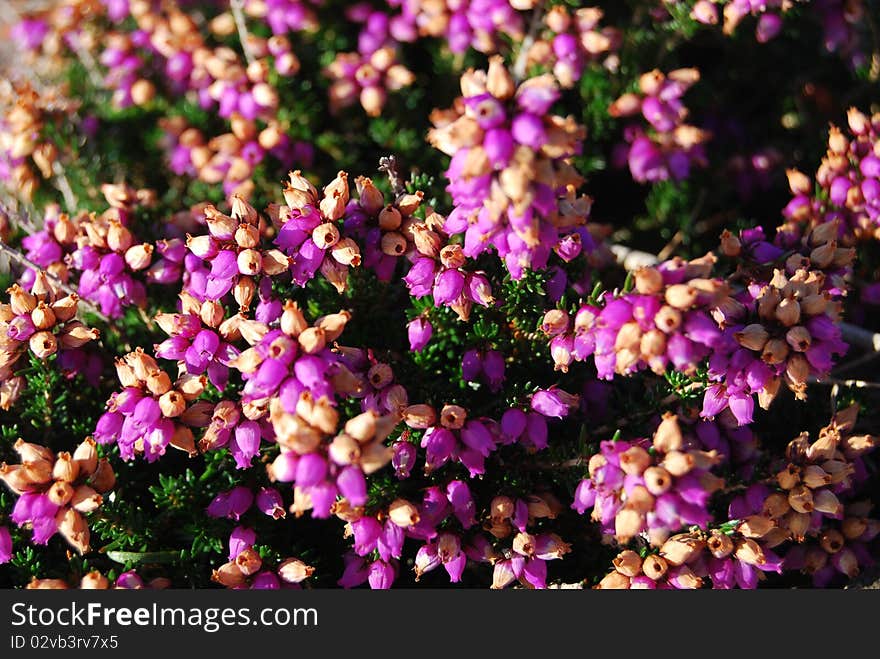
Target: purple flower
[
  {"x": 5, "y": 545},
  {"x": 419, "y": 331}
]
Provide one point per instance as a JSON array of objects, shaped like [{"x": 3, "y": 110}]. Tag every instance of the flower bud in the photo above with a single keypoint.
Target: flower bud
[
  {"x": 390, "y": 219},
  {"x": 627, "y": 524},
  {"x": 832, "y": 541},
  {"x": 658, "y": 480},
  {"x": 419, "y": 416},
  {"x": 60, "y": 493},
  {"x": 43, "y": 344},
  {"x": 648, "y": 281},
  {"x": 654, "y": 566},
  {"x": 43, "y": 317},
  {"x": 73, "y": 528},
  {"x": 403, "y": 513},
  {"x": 800, "y": 498},
  {"x": 103, "y": 479},
  {"x": 94, "y": 580},
  {"x": 65, "y": 308},
  {"x": 452, "y": 416},
  {"x": 614, "y": 581},
  {"x": 668, "y": 436},
  {"x": 752, "y": 337},
  {"x": 85, "y": 499},
  {"x": 681, "y": 549},
  {"x": 32, "y": 452},
  {"x": 65, "y": 468},
  {"x": 75, "y": 335},
  {"x": 138, "y": 257},
  {"x": 634, "y": 460}
]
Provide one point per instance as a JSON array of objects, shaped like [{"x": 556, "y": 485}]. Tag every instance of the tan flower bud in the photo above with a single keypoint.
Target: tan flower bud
[
  {"x": 73, "y": 528},
  {"x": 390, "y": 218},
  {"x": 294, "y": 570},
  {"x": 627, "y": 524},
  {"x": 755, "y": 526},
  {"x": 249, "y": 561},
  {"x": 832, "y": 541},
  {"x": 775, "y": 505},
  {"x": 43, "y": 317},
  {"x": 775, "y": 351},
  {"x": 65, "y": 308},
  {"x": 43, "y": 344},
  {"x": 75, "y": 334},
  {"x": 499, "y": 82},
  {"x": 681, "y": 549},
  {"x": 657, "y": 480},
  {"x": 229, "y": 575},
  {"x": 668, "y": 436},
  {"x": 628, "y": 563},
  {"x": 452, "y": 416},
  {"x": 60, "y": 493},
  {"x": 614, "y": 581},
  {"x": 346, "y": 252},
  {"x": 94, "y": 580},
  {"x": 634, "y": 460},
  {"x": 800, "y": 498},
  {"x": 419, "y": 416},
  {"x": 65, "y": 468},
  {"x": 32, "y": 452},
  {"x": 678, "y": 463},
  {"x": 103, "y": 480},
  {"x": 667, "y": 319},
  {"x": 719, "y": 545},
  {"x": 730, "y": 244},
  {"x": 654, "y": 566},
  {"x": 85, "y": 499},
  {"x": 752, "y": 337},
  {"x": 138, "y": 257},
  {"x": 427, "y": 242},
  {"x": 750, "y": 552},
  {"x": 292, "y": 320}
]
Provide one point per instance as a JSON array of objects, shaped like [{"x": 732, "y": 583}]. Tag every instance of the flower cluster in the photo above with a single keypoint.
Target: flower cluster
[
  {"x": 231, "y": 254},
  {"x": 41, "y": 323},
  {"x": 665, "y": 320},
  {"x": 246, "y": 570},
  {"x": 633, "y": 491},
  {"x": 388, "y": 232},
  {"x": 848, "y": 182},
  {"x": 26, "y": 156},
  {"x": 308, "y": 230},
  {"x": 462, "y": 24},
  {"x": 784, "y": 330},
  {"x": 99, "y": 253},
  {"x": 149, "y": 414},
  {"x": 230, "y": 157},
  {"x": 687, "y": 561},
  {"x": 670, "y": 147},
  {"x": 366, "y": 78},
  {"x": 510, "y": 179},
  {"x": 56, "y": 491},
  {"x": 575, "y": 40},
  {"x": 806, "y": 522}
]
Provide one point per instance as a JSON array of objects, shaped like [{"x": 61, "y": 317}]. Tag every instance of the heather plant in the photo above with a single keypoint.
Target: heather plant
[{"x": 473, "y": 293}]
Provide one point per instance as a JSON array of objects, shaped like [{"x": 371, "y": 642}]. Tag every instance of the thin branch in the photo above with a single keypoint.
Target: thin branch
[
  {"x": 64, "y": 186},
  {"x": 237, "y": 6},
  {"x": 852, "y": 384},
  {"x": 519, "y": 67},
  {"x": 388, "y": 165}
]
